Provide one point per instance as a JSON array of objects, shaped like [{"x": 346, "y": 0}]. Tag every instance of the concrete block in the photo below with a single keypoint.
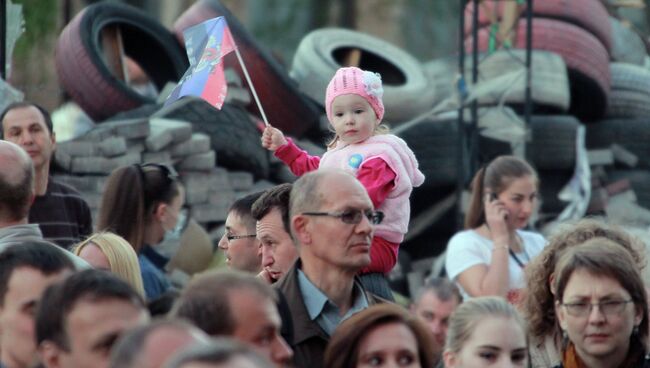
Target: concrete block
[
  {"x": 126, "y": 160},
  {"x": 180, "y": 130},
  {"x": 205, "y": 213},
  {"x": 94, "y": 200},
  {"x": 135, "y": 145},
  {"x": 261, "y": 185},
  {"x": 219, "y": 180},
  {"x": 198, "y": 143},
  {"x": 77, "y": 148},
  {"x": 240, "y": 180},
  {"x": 162, "y": 157},
  {"x": 63, "y": 159},
  {"x": 158, "y": 139},
  {"x": 98, "y": 134},
  {"x": 85, "y": 183},
  {"x": 197, "y": 187},
  {"x": 92, "y": 165},
  {"x": 112, "y": 147},
  {"x": 222, "y": 198},
  {"x": 202, "y": 162},
  {"x": 598, "y": 157},
  {"x": 130, "y": 129},
  {"x": 622, "y": 155}
]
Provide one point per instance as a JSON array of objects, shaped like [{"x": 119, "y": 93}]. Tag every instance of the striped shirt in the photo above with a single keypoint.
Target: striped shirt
[{"x": 62, "y": 214}]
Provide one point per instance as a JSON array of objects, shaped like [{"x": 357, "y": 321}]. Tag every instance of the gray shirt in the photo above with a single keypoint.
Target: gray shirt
[
  {"x": 324, "y": 311},
  {"x": 19, "y": 234}
]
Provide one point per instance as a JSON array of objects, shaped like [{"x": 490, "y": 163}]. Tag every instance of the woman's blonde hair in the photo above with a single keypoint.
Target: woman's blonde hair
[
  {"x": 537, "y": 306},
  {"x": 121, "y": 257},
  {"x": 468, "y": 314},
  {"x": 379, "y": 129}
]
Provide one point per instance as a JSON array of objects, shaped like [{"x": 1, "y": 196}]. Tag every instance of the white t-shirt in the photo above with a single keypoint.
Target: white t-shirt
[{"x": 468, "y": 248}]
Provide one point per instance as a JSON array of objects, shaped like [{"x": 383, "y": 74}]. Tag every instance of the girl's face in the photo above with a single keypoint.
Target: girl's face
[
  {"x": 353, "y": 118},
  {"x": 389, "y": 345},
  {"x": 520, "y": 199},
  {"x": 495, "y": 342}
]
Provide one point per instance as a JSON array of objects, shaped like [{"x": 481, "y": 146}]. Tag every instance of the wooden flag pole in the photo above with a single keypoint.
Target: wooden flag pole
[{"x": 250, "y": 83}]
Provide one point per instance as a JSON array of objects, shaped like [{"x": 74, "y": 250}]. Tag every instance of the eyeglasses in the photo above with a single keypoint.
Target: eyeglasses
[
  {"x": 352, "y": 216},
  {"x": 608, "y": 308},
  {"x": 235, "y": 237}
]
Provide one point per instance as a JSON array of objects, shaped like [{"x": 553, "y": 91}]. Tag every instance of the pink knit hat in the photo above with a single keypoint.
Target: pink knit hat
[{"x": 352, "y": 80}]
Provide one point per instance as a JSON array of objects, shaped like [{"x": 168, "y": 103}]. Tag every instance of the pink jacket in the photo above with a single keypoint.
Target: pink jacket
[{"x": 399, "y": 157}]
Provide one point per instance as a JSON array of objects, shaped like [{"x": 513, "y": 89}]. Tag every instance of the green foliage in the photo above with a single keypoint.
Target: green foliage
[{"x": 40, "y": 22}]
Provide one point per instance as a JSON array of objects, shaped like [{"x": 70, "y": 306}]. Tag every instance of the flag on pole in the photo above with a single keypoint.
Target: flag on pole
[{"x": 206, "y": 44}]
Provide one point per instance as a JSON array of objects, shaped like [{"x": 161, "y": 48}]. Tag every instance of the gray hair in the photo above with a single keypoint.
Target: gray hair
[
  {"x": 441, "y": 287},
  {"x": 127, "y": 353},
  {"x": 219, "y": 351}
]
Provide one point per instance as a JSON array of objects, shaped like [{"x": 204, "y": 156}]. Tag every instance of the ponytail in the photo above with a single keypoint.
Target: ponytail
[{"x": 475, "y": 216}]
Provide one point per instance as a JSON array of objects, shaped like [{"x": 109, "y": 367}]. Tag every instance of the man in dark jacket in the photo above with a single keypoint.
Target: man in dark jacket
[{"x": 332, "y": 223}]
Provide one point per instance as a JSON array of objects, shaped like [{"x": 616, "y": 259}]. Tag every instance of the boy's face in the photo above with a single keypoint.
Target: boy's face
[{"x": 353, "y": 118}]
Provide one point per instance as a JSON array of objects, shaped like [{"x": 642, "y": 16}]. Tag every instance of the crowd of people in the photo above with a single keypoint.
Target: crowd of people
[{"x": 306, "y": 282}]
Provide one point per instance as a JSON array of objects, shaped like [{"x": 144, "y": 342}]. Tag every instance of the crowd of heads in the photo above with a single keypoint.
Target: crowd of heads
[{"x": 291, "y": 295}]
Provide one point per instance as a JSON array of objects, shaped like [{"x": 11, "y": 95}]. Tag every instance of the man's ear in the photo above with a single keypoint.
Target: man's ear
[
  {"x": 53, "y": 138},
  {"x": 49, "y": 354},
  {"x": 299, "y": 224}
]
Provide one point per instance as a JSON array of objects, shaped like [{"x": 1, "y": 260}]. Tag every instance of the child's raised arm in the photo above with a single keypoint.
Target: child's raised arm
[{"x": 272, "y": 138}]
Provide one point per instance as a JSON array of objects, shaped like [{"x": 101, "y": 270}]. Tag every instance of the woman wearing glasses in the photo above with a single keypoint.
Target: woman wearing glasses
[
  {"x": 488, "y": 258},
  {"x": 539, "y": 299},
  {"x": 601, "y": 307},
  {"x": 143, "y": 204}
]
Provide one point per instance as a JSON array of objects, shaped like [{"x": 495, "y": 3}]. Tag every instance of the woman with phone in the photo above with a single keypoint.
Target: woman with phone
[{"x": 489, "y": 256}]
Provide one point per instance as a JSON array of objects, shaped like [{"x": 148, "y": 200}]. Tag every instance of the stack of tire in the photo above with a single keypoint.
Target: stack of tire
[
  {"x": 577, "y": 31},
  {"x": 627, "y": 121}
]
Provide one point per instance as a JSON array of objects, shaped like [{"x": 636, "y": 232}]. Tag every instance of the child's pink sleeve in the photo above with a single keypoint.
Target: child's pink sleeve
[
  {"x": 378, "y": 179},
  {"x": 299, "y": 161},
  {"x": 383, "y": 256}
]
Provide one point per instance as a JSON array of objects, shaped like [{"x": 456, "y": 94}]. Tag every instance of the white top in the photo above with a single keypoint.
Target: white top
[{"x": 468, "y": 248}]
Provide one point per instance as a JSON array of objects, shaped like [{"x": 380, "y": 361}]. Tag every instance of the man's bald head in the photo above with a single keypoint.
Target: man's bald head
[{"x": 16, "y": 182}]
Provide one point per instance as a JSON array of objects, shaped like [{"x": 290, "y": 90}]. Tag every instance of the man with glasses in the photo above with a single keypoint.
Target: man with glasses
[
  {"x": 332, "y": 223},
  {"x": 239, "y": 243},
  {"x": 61, "y": 213}
]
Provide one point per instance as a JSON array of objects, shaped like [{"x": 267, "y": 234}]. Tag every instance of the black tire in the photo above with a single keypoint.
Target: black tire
[
  {"x": 640, "y": 182},
  {"x": 233, "y": 136},
  {"x": 84, "y": 74},
  {"x": 284, "y": 105},
  {"x": 407, "y": 92},
  {"x": 632, "y": 134},
  {"x": 628, "y": 104},
  {"x": 553, "y": 143},
  {"x": 630, "y": 77},
  {"x": 551, "y": 183},
  {"x": 435, "y": 144}
]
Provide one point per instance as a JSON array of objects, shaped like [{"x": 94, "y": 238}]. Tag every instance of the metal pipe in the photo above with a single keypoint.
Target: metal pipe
[
  {"x": 529, "y": 46},
  {"x": 473, "y": 138},
  {"x": 460, "y": 153}
]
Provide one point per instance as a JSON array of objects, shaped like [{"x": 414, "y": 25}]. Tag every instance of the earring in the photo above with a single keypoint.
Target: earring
[
  {"x": 635, "y": 330},
  {"x": 565, "y": 337}
]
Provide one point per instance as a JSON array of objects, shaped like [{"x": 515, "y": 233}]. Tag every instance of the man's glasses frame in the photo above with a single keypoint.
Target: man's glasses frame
[
  {"x": 352, "y": 217},
  {"x": 235, "y": 237}
]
